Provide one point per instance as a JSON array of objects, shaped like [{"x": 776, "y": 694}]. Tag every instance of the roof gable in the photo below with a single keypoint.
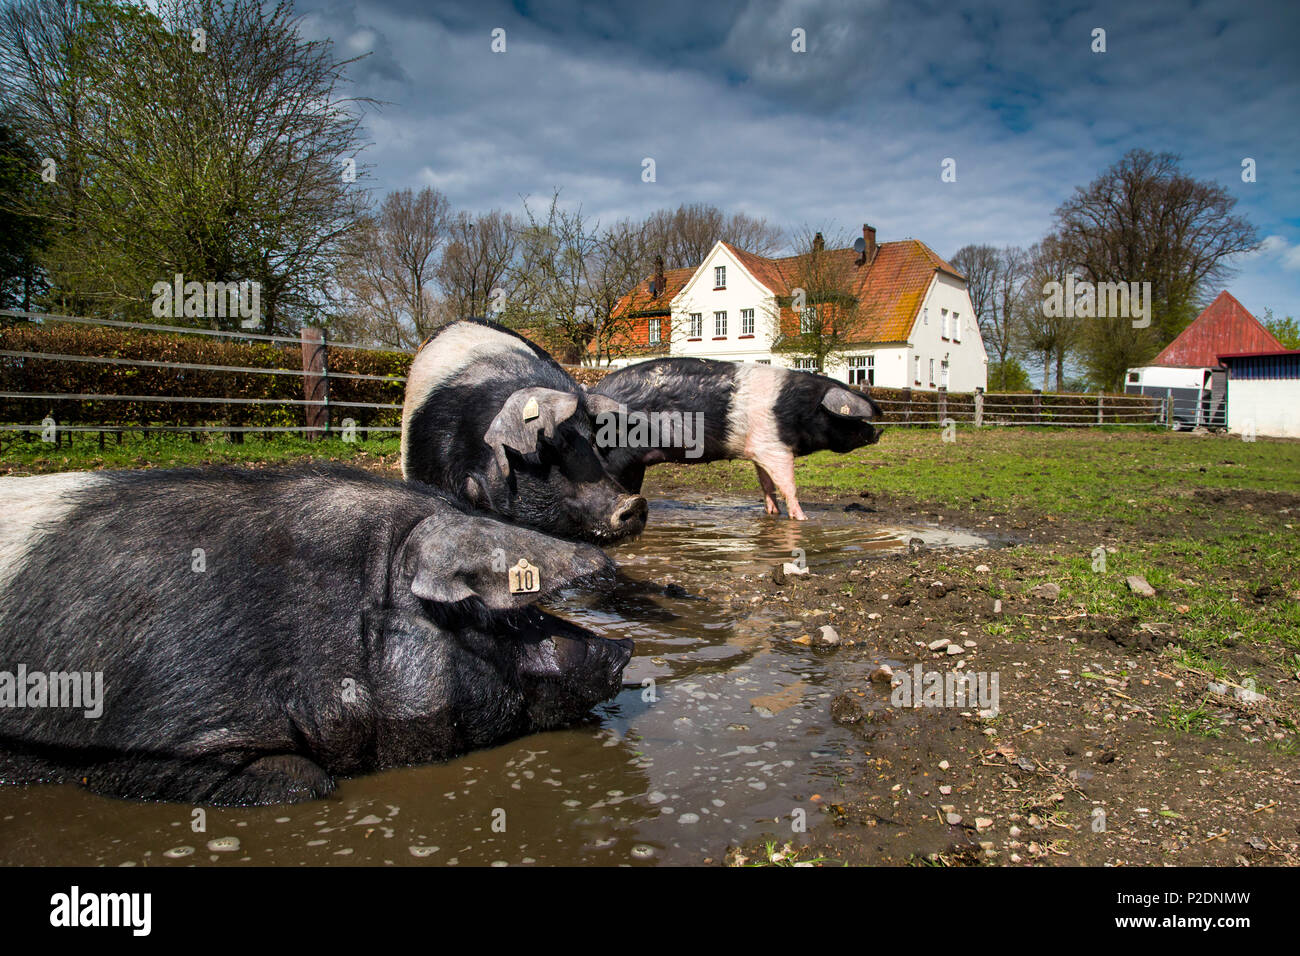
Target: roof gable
[{"x": 1224, "y": 328}]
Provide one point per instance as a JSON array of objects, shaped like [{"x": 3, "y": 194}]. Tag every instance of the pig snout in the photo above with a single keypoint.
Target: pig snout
[{"x": 629, "y": 516}]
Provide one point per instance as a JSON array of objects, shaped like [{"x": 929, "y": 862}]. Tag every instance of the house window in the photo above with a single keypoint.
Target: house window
[
  {"x": 808, "y": 321},
  {"x": 746, "y": 321},
  {"x": 925, "y": 315},
  {"x": 931, "y": 371},
  {"x": 719, "y": 277},
  {"x": 862, "y": 370},
  {"x": 917, "y": 377},
  {"x": 805, "y": 364},
  {"x": 697, "y": 325},
  {"x": 1134, "y": 376},
  {"x": 654, "y": 331},
  {"x": 956, "y": 327},
  {"x": 943, "y": 323},
  {"x": 763, "y": 362},
  {"x": 719, "y": 323}
]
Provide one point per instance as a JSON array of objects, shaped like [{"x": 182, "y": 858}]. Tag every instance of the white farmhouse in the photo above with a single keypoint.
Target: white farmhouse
[{"x": 914, "y": 325}]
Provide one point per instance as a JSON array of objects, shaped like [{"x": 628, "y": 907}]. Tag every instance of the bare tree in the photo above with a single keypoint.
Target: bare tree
[
  {"x": 1049, "y": 338},
  {"x": 1002, "y": 325},
  {"x": 620, "y": 260},
  {"x": 684, "y": 236},
  {"x": 1144, "y": 220},
  {"x": 549, "y": 281},
  {"x": 387, "y": 276},
  {"x": 477, "y": 261},
  {"x": 979, "y": 263},
  {"x": 825, "y": 315}
]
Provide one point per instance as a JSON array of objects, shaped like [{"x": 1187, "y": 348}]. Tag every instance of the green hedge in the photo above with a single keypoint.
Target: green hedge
[{"x": 62, "y": 377}]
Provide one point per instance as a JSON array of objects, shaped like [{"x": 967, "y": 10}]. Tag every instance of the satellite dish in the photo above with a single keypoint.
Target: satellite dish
[{"x": 859, "y": 245}]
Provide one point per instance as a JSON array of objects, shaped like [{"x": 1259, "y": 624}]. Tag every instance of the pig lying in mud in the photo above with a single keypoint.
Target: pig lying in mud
[
  {"x": 492, "y": 420},
  {"x": 765, "y": 414},
  {"x": 253, "y": 635}
]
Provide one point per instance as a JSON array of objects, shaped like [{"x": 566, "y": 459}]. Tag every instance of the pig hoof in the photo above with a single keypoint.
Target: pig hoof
[
  {"x": 283, "y": 778},
  {"x": 798, "y": 516}
]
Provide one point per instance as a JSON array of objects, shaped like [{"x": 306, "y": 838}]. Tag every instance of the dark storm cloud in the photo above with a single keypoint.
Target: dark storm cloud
[{"x": 853, "y": 130}]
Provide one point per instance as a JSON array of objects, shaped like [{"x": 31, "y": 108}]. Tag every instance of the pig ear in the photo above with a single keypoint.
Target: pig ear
[
  {"x": 526, "y": 414},
  {"x": 599, "y": 403},
  {"x": 847, "y": 404},
  {"x": 456, "y": 557}
]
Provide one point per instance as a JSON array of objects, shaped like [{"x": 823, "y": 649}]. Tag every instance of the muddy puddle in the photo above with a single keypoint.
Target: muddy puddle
[{"x": 722, "y": 730}]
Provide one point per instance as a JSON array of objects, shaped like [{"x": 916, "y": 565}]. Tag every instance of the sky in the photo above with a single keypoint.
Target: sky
[{"x": 853, "y": 130}]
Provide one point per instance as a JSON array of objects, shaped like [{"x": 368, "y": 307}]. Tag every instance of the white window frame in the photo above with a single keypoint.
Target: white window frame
[
  {"x": 808, "y": 320},
  {"x": 696, "y": 325},
  {"x": 943, "y": 323},
  {"x": 720, "y": 324},
  {"x": 862, "y": 369},
  {"x": 719, "y": 277},
  {"x": 805, "y": 364},
  {"x": 931, "y": 371},
  {"x": 746, "y": 321},
  {"x": 655, "y": 332},
  {"x": 956, "y": 327}
]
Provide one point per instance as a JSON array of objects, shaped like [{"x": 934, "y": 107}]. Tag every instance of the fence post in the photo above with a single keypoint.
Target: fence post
[
  {"x": 907, "y": 397},
  {"x": 943, "y": 403},
  {"x": 1169, "y": 409},
  {"x": 1038, "y": 406},
  {"x": 315, "y": 380},
  {"x": 1100, "y": 406},
  {"x": 979, "y": 407}
]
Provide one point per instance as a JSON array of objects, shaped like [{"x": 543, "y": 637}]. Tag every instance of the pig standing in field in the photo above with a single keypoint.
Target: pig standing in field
[
  {"x": 491, "y": 419},
  {"x": 244, "y": 637},
  {"x": 765, "y": 414}
]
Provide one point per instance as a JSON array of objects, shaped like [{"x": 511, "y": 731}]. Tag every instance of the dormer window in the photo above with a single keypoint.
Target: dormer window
[{"x": 719, "y": 277}]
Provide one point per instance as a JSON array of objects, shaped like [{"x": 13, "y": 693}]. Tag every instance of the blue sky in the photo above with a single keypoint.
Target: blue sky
[{"x": 852, "y": 131}]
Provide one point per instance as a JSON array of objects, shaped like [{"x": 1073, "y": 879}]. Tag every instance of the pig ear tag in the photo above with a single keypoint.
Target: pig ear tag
[
  {"x": 525, "y": 578},
  {"x": 844, "y": 410},
  {"x": 530, "y": 410}
]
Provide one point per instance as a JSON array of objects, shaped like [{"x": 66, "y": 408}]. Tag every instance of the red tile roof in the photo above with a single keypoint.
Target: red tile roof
[{"x": 1225, "y": 327}]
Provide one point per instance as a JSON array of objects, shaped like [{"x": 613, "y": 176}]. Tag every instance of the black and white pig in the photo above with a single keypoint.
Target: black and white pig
[
  {"x": 762, "y": 413},
  {"x": 494, "y": 421},
  {"x": 250, "y": 636}
]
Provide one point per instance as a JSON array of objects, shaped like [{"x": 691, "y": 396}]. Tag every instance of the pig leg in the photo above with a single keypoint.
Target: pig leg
[
  {"x": 769, "y": 490},
  {"x": 283, "y": 778},
  {"x": 781, "y": 470}
]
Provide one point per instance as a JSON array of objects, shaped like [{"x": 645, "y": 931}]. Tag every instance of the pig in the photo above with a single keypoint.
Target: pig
[
  {"x": 762, "y": 413},
  {"x": 495, "y": 422},
  {"x": 253, "y": 635}
]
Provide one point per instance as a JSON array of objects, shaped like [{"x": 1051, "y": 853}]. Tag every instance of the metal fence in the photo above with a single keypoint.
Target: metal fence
[
  {"x": 315, "y": 374},
  {"x": 901, "y": 406},
  {"x": 908, "y": 408}
]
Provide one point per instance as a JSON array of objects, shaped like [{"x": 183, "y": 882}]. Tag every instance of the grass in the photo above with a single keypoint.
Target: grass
[
  {"x": 167, "y": 450},
  {"x": 1110, "y": 472}
]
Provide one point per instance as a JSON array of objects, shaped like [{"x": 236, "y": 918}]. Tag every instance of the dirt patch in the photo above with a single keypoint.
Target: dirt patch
[{"x": 1104, "y": 748}]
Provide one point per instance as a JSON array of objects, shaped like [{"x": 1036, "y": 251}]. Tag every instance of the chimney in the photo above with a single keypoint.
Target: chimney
[
  {"x": 869, "y": 243},
  {"x": 659, "y": 284},
  {"x": 818, "y": 243}
]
